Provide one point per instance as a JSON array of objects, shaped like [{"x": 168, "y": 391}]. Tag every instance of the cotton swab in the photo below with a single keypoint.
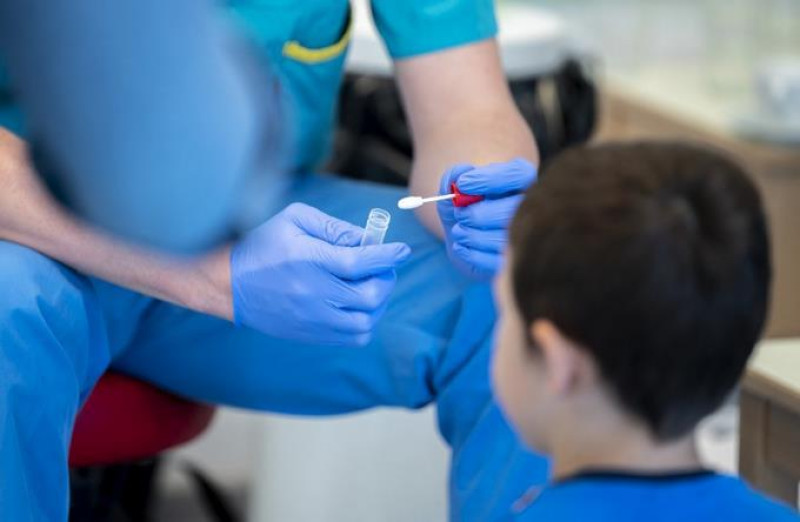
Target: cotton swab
[{"x": 412, "y": 202}]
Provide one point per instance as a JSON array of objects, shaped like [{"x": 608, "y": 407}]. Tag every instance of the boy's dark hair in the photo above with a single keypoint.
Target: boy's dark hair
[{"x": 654, "y": 257}]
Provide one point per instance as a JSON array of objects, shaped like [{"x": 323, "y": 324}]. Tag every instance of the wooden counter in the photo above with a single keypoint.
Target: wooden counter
[{"x": 769, "y": 445}]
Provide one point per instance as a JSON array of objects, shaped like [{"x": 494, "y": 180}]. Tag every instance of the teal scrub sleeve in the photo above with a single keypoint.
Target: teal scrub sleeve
[{"x": 412, "y": 27}]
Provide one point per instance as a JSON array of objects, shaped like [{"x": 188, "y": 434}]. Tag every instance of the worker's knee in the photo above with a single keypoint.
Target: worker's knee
[
  {"x": 31, "y": 283},
  {"x": 50, "y": 327}
]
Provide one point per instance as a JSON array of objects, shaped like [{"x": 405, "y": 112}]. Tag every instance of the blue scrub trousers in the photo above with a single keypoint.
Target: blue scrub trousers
[{"x": 61, "y": 330}]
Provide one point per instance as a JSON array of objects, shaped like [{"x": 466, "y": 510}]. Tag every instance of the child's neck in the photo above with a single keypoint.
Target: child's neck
[{"x": 622, "y": 447}]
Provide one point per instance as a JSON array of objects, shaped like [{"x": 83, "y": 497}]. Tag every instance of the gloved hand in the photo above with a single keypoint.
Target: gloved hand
[
  {"x": 303, "y": 276},
  {"x": 477, "y": 235}
]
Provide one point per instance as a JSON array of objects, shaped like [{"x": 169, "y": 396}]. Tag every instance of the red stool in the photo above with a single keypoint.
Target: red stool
[
  {"x": 125, "y": 424},
  {"x": 126, "y": 419}
]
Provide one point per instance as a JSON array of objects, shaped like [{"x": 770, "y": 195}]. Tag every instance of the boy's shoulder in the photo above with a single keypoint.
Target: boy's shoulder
[{"x": 626, "y": 497}]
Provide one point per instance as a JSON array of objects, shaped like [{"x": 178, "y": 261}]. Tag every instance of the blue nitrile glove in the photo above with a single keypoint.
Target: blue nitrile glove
[
  {"x": 477, "y": 235},
  {"x": 303, "y": 276}
]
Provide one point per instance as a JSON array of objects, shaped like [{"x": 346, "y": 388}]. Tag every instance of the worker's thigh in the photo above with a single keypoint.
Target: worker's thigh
[{"x": 409, "y": 357}]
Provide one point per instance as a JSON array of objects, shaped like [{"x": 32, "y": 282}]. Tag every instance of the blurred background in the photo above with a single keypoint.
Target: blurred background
[{"x": 726, "y": 72}]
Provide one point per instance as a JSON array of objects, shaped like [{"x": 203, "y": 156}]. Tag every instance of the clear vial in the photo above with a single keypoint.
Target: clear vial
[{"x": 377, "y": 225}]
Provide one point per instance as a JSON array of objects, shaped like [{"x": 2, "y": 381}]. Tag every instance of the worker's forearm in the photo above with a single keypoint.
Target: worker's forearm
[
  {"x": 201, "y": 284},
  {"x": 479, "y": 137},
  {"x": 460, "y": 110}
]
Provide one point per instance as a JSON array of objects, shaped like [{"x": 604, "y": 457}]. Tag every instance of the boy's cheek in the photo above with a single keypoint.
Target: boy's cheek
[
  {"x": 516, "y": 383},
  {"x": 506, "y": 384},
  {"x": 499, "y": 371}
]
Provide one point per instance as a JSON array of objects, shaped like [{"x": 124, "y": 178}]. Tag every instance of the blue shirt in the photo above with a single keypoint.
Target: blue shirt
[{"x": 619, "y": 497}]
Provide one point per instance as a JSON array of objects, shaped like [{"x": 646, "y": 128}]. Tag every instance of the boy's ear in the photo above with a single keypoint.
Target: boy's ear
[{"x": 565, "y": 364}]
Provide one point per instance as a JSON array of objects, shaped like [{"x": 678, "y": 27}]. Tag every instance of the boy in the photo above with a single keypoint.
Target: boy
[{"x": 635, "y": 288}]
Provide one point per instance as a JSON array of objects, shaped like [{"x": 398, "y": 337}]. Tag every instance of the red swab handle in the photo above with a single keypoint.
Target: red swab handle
[{"x": 461, "y": 199}]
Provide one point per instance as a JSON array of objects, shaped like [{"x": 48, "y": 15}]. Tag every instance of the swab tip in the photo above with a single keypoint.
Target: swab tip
[{"x": 410, "y": 202}]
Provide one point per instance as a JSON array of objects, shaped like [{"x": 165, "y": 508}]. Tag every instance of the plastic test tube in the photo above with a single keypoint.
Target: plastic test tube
[{"x": 377, "y": 225}]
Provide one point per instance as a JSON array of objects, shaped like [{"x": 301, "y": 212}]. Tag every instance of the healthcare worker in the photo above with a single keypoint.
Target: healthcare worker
[{"x": 64, "y": 323}]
